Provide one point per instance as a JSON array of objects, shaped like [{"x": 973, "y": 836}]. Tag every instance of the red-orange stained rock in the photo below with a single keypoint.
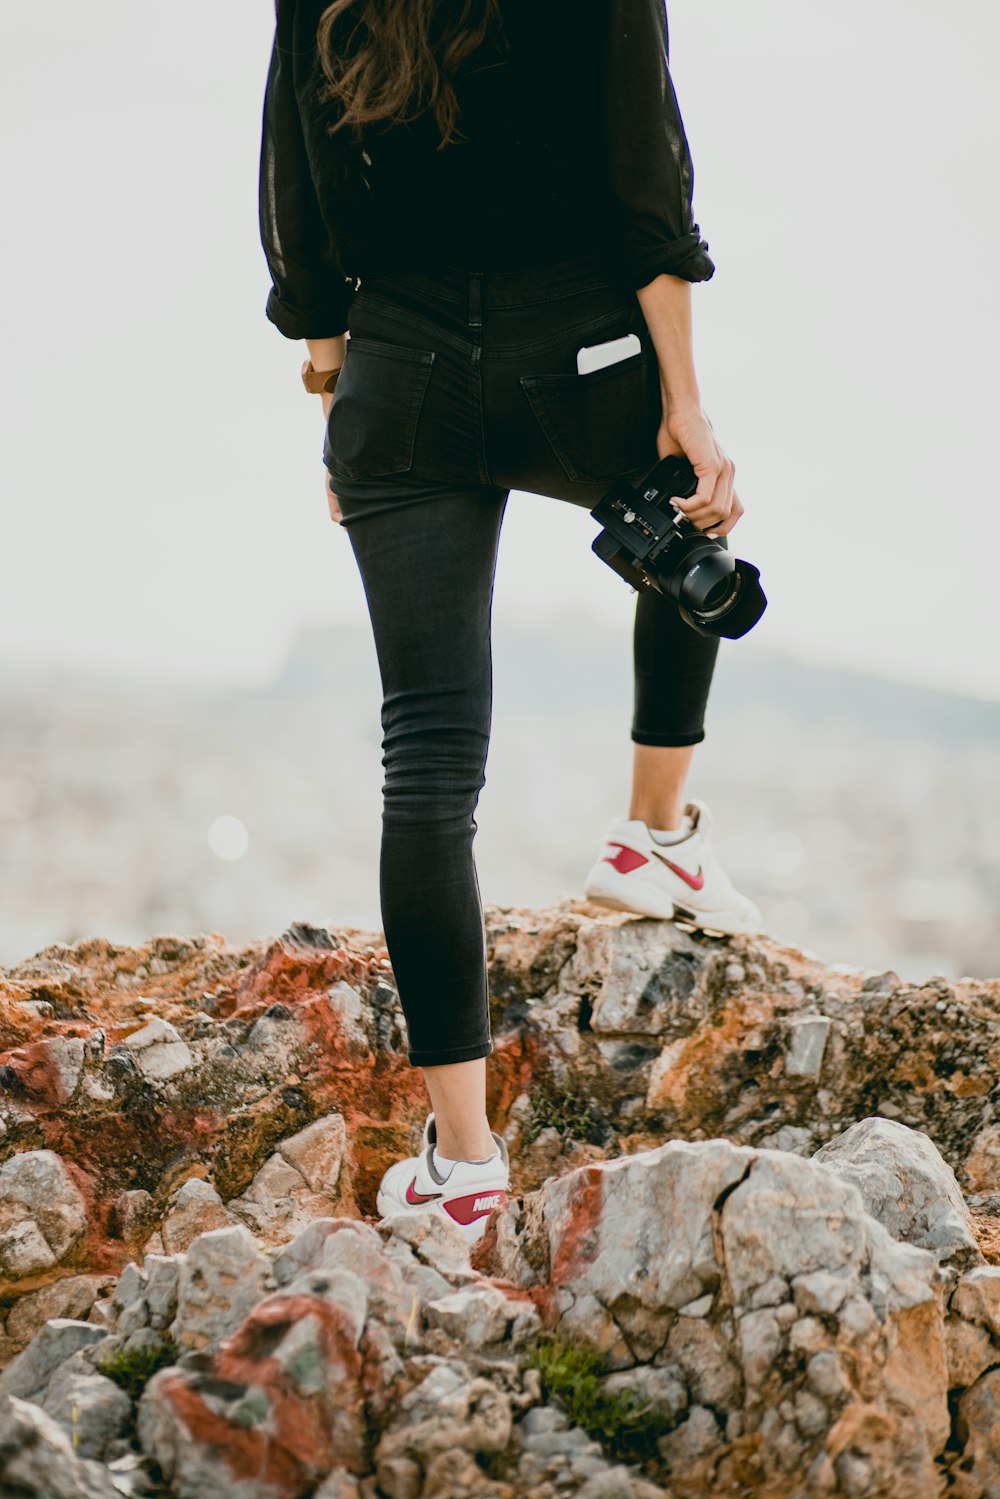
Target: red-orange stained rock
[
  {"x": 303, "y": 1436},
  {"x": 576, "y": 1241}
]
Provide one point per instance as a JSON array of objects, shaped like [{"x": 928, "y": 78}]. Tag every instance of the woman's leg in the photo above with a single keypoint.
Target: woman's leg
[
  {"x": 658, "y": 776},
  {"x": 427, "y": 556},
  {"x": 673, "y": 667},
  {"x": 458, "y": 1098}
]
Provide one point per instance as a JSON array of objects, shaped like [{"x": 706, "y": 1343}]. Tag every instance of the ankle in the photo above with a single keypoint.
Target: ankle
[
  {"x": 466, "y": 1147},
  {"x": 661, "y": 816}
]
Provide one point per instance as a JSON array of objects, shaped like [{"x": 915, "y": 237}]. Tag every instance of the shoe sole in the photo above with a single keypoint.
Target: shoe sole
[{"x": 656, "y": 903}]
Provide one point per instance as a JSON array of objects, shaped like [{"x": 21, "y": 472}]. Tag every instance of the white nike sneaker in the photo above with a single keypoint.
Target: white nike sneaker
[
  {"x": 467, "y": 1196},
  {"x": 682, "y": 880}
]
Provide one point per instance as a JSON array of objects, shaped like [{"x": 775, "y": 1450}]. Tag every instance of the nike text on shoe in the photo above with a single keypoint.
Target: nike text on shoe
[
  {"x": 468, "y": 1196},
  {"x": 682, "y": 880}
]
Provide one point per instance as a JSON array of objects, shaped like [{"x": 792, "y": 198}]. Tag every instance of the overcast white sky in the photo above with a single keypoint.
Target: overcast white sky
[{"x": 162, "y": 483}]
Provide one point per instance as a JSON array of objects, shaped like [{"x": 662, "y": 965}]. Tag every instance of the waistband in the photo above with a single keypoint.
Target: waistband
[{"x": 524, "y": 286}]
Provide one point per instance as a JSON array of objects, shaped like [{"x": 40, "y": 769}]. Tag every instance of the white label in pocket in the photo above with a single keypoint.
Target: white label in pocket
[{"x": 596, "y": 356}]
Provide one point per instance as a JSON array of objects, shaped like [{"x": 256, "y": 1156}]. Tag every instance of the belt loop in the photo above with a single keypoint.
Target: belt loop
[{"x": 475, "y": 299}]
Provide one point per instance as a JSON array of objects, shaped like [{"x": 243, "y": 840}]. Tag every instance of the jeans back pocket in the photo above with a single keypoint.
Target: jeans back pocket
[
  {"x": 604, "y": 423},
  {"x": 372, "y": 423}
]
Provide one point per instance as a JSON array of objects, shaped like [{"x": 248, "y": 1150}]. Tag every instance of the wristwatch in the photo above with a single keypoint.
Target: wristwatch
[{"x": 317, "y": 381}]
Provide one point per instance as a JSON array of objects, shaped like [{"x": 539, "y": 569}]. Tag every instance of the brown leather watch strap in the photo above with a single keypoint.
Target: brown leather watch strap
[{"x": 317, "y": 381}]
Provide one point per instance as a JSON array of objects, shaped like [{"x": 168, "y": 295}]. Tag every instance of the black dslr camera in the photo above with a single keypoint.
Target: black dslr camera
[{"x": 653, "y": 545}]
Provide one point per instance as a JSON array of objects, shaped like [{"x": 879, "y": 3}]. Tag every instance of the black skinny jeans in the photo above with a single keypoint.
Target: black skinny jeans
[{"x": 458, "y": 387}]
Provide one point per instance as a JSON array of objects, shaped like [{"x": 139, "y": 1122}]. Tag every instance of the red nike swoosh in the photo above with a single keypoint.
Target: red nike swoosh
[
  {"x": 694, "y": 880},
  {"x": 413, "y": 1196}
]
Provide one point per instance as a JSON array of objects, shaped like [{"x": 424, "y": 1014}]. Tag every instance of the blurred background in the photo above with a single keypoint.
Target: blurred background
[{"x": 189, "y": 698}]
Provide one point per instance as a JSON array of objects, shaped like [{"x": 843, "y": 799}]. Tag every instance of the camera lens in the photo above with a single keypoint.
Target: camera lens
[{"x": 721, "y": 599}]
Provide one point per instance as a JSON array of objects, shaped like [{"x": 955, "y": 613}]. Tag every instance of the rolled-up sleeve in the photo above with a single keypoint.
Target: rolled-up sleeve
[
  {"x": 310, "y": 294},
  {"x": 649, "y": 163}
]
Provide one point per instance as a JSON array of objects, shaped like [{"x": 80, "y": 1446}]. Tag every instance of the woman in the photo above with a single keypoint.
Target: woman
[{"x": 473, "y": 190}]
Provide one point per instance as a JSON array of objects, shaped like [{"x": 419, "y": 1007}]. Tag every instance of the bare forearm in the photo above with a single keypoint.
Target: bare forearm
[
  {"x": 327, "y": 353},
  {"x": 666, "y": 306}
]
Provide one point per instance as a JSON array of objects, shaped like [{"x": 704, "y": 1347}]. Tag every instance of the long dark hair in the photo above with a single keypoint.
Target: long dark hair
[{"x": 393, "y": 60}]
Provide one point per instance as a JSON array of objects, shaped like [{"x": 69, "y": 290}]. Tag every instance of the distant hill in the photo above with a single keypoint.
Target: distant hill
[{"x": 564, "y": 665}]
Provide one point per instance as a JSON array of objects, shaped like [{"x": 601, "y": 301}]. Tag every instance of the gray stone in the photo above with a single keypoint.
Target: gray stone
[
  {"x": 42, "y": 1213},
  {"x": 159, "y": 1049},
  {"x": 28, "y": 1374},
  {"x": 543, "y": 1418},
  {"x": 970, "y": 1352},
  {"x": 91, "y": 1409},
  {"x": 819, "y": 1291},
  {"x": 662, "y": 1388},
  {"x": 72, "y": 1297},
  {"x": 437, "y": 1241},
  {"x": 825, "y": 1375},
  {"x": 162, "y": 1281},
  {"x": 977, "y": 1297},
  {"x": 479, "y": 1316},
  {"x": 978, "y": 1428},
  {"x": 906, "y": 1184},
  {"x": 221, "y": 1280},
  {"x": 136, "y": 1215},
  {"x": 339, "y": 1485},
  {"x": 644, "y": 977},
  {"x": 806, "y": 1044},
  {"x": 563, "y": 1443},
  {"x": 131, "y": 1284},
  {"x": 37, "y": 1460},
  {"x": 24, "y": 1249},
  {"x": 811, "y": 1415},
  {"x": 298, "y": 1183},
  {"x": 760, "y": 1344},
  {"x": 197, "y": 1208},
  {"x": 351, "y": 1010},
  {"x": 613, "y": 1483},
  {"x": 269, "y": 1206},
  {"x": 634, "y": 1235},
  {"x": 448, "y": 1410},
  {"x": 342, "y": 1288},
  {"x": 697, "y": 1437},
  {"x": 357, "y": 1248},
  {"x": 304, "y": 1250},
  {"x": 790, "y": 1217},
  {"x": 710, "y": 1371},
  {"x": 423, "y": 1282},
  {"x": 795, "y": 1138},
  {"x": 65, "y": 1056},
  {"x": 697, "y": 1308}
]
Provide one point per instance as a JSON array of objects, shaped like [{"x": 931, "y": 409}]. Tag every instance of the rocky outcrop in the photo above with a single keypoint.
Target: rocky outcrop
[{"x": 752, "y": 1247}]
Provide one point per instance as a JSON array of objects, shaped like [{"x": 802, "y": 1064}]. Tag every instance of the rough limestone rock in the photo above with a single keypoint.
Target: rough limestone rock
[
  {"x": 72, "y": 1297},
  {"x": 282, "y": 1399},
  {"x": 29, "y": 1373},
  {"x": 907, "y": 1185},
  {"x": 159, "y": 1050},
  {"x": 221, "y": 1278},
  {"x": 197, "y": 1208},
  {"x": 91, "y": 1407},
  {"x": 37, "y": 1459},
  {"x": 760, "y": 1277},
  {"x": 298, "y": 1183},
  {"x": 450, "y": 1413},
  {"x": 752, "y": 1247},
  {"x": 42, "y": 1213}
]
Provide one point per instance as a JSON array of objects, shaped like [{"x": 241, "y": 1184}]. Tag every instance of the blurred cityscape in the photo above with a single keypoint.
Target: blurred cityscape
[{"x": 862, "y": 814}]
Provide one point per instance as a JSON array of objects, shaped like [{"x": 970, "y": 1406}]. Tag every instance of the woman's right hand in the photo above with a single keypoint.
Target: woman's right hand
[
  {"x": 333, "y": 504},
  {"x": 715, "y": 506}
]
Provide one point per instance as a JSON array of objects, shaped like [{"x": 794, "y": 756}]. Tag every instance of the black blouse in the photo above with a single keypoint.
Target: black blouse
[{"x": 574, "y": 144}]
